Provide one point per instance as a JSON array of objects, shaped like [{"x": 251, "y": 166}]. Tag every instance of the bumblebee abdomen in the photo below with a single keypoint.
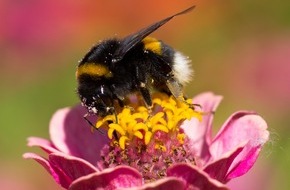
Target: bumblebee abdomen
[
  {"x": 179, "y": 65},
  {"x": 153, "y": 45}
]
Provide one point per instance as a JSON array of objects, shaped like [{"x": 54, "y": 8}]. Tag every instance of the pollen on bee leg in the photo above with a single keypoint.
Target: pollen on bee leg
[
  {"x": 94, "y": 110},
  {"x": 189, "y": 102},
  {"x": 112, "y": 110},
  {"x": 149, "y": 114},
  {"x": 131, "y": 108},
  {"x": 149, "y": 108},
  {"x": 142, "y": 85}
]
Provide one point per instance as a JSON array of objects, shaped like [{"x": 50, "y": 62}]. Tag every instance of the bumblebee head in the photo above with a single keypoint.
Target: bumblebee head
[
  {"x": 93, "y": 74},
  {"x": 97, "y": 62},
  {"x": 96, "y": 96}
]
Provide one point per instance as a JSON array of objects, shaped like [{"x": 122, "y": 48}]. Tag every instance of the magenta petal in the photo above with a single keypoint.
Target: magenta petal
[
  {"x": 46, "y": 145},
  {"x": 119, "y": 177},
  {"x": 244, "y": 162},
  {"x": 209, "y": 103},
  {"x": 241, "y": 128},
  {"x": 194, "y": 177},
  {"x": 73, "y": 167},
  {"x": 220, "y": 168},
  {"x": 200, "y": 132},
  {"x": 162, "y": 184},
  {"x": 71, "y": 134},
  {"x": 57, "y": 175}
]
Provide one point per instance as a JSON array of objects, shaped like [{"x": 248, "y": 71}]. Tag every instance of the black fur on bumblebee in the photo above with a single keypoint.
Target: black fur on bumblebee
[{"x": 116, "y": 68}]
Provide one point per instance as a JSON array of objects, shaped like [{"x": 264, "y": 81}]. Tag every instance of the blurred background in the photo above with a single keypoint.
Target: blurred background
[{"x": 239, "y": 49}]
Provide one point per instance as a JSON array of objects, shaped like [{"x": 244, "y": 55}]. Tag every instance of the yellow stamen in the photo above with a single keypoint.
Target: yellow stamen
[
  {"x": 105, "y": 120},
  {"x": 138, "y": 124},
  {"x": 122, "y": 142},
  {"x": 118, "y": 128},
  {"x": 110, "y": 133},
  {"x": 160, "y": 147},
  {"x": 148, "y": 136},
  {"x": 160, "y": 127},
  {"x": 181, "y": 137},
  {"x": 138, "y": 134}
]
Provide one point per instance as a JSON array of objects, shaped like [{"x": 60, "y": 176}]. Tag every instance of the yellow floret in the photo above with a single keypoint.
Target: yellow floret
[{"x": 140, "y": 123}]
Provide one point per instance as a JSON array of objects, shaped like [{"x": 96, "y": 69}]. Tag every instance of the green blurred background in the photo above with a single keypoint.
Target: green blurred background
[{"x": 239, "y": 49}]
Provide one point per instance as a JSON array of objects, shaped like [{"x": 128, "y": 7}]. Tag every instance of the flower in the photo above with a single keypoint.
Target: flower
[{"x": 183, "y": 156}]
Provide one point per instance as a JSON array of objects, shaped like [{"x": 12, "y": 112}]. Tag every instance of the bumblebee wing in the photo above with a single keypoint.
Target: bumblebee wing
[{"x": 130, "y": 41}]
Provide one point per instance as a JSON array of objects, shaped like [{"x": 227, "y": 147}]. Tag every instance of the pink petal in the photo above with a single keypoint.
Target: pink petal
[
  {"x": 46, "y": 145},
  {"x": 194, "y": 177},
  {"x": 244, "y": 162},
  {"x": 73, "y": 167},
  {"x": 209, "y": 103},
  {"x": 220, "y": 168},
  {"x": 162, "y": 184},
  {"x": 113, "y": 178},
  {"x": 256, "y": 178},
  {"x": 57, "y": 175},
  {"x": 241, "y": 128},
  {"x": 200, "y": 132},
  {"x": 71, "y": 134}
]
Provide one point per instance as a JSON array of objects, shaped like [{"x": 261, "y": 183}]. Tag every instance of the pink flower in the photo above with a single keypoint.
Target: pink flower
[{"x": 80, "y": 160}]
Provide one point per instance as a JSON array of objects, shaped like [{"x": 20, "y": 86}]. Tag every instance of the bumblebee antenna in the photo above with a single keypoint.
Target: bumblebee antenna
[{"x": 91, "y": 124}]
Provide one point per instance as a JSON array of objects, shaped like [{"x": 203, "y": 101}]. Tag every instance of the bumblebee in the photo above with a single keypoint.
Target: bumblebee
[{"x": 116, "y": 68}]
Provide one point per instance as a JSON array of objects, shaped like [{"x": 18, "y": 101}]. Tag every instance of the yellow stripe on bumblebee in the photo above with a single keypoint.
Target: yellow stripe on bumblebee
[
  {"x": 152, "y": 44},
  {"x": 93, "y": 69}
]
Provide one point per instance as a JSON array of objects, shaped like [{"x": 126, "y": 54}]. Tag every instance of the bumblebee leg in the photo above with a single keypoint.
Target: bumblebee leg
[
  {"x": 120, "y": 99},
  {"x": 120, "y": 102},
  {"x": 142, "y": 87},
  {"x": 112, "y": 110},
  {"x": 146, "y": 96},
  {"x": 175, "y": 88}
]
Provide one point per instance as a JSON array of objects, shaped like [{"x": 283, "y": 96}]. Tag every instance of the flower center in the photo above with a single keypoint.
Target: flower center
[{"x": 149, "y": 140}]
